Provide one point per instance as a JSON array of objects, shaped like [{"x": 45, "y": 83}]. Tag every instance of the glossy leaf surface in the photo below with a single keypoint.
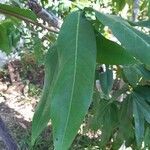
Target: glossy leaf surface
[
  {"x": 126, "y": 35},
  {"x": 109, "y": 52},
  {"x": 73, "y": 90}
]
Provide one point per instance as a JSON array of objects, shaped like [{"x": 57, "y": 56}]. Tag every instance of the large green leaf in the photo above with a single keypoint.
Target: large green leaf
[
  {"x": 17, "y": 12},
  {"x": 109, "y": 52},
  {"x": 42, "y": 113},
  {"x": 129, "y": 39},
  {"x": 74, "y": 85}
]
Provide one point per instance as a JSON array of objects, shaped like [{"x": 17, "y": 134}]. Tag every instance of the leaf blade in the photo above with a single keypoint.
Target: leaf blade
[
  {"x": 128, "y": 38},
  {"x": 139, "y": 123},
  {"x": 78, "y": 77},
  {"x": 42, "y": 113},
  {"x": 109, "y": 52},
  {"x": 7, "y": 9}
]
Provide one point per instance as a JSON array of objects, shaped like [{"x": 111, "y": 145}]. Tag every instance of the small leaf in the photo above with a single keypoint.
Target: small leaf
[
  {"x": 119, "y": 4},
  {"x": 105, "y": 118},
  {"x": 4, "y": 40},
  {"x": 110, "y": 118},
  {"x": 8, "y": 35},
  {"x": 99, "y": 109},
  {"x": 132, "y": 74},
  {"x": 17, "y": 12},
  {"x": 42, "y": 113},
  {"x": 106, "y": 81},
  {"x": 73, "y": 90},
  {"x": 147, "y": 137},
  {"x": 126, "y": 131}
]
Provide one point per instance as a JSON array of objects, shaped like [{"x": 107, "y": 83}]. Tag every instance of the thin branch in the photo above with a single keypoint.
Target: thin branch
[
  {"x": 45, "y": 15},
  {"x": 28, "y": 20}
]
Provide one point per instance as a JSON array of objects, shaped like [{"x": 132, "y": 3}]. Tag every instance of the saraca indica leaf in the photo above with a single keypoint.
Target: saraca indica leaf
[
  {"x": 42, "y": 113},
  {"x": 73, "y": 89}
]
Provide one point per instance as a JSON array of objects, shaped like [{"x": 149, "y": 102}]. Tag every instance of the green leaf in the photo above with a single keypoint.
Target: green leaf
[
  {"x": 42, "y": 113},
  {"x": 119, "y": 4},
  {"x": 106, "y": 81},
  {"x": 139, "y": 123},
  {"x": 104, "y": 115},
  {"x": 38, "y": 50},
  {"x": 145, "y": 23},
  {"x": 142, "y": 105},
  {"x": 126, "y": 131},
  {"x": 109, "y": 52},
  {"x": 144, "y": 91},
  {"x": 145, "y": 74},
  {"x": 143, "y": 110},
  {"x": 9, "y": 35},
  {"x": 132, "y": 74},
  {"x": 110, "y": 120},
  {"x": 147, "y": 137},
  {"x": 100, "y": 106},
  {"x": 4, "y": 40},
  {"x": 129, "y": 39},
  {"x": 144, "y": 36},
  {"x": 73, "y": 90},
  {"x": 17, "y": 12}
]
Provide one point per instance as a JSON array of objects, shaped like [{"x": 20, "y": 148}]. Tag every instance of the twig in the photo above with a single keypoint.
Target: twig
[
  {"x": 46, "y": 16},
  {"x": 28, "y": 20}
]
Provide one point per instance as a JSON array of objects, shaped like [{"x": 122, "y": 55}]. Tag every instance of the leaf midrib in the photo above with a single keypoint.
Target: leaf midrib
[{"x": 74, "y": 77}]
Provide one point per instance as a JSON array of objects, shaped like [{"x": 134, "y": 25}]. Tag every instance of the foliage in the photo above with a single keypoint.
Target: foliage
[{"x": 121, "y": 112}]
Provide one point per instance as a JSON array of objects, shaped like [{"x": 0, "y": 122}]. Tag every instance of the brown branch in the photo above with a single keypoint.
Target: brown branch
[{"x": 46, "y": 16}]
